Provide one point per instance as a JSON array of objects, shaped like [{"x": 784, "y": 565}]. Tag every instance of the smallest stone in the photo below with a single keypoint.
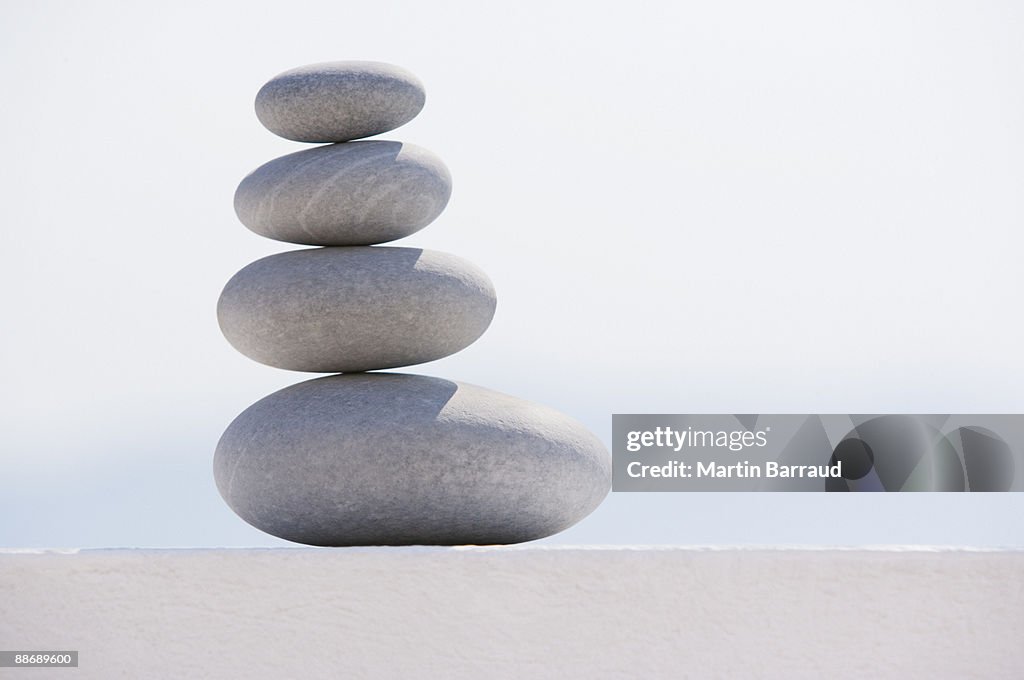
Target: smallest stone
[{"x": 338, "y": 101}]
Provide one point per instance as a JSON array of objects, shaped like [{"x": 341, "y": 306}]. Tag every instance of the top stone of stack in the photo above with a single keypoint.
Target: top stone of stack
[{"x": 339, "y": 101}]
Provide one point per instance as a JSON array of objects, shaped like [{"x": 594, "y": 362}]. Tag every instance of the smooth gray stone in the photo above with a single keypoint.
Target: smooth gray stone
[
  {"x": 338, "y": 310},
  {"x": 353, "y": 194},
  {"x": 392, "y": 459},
  {"x": 339, "y": 100}
]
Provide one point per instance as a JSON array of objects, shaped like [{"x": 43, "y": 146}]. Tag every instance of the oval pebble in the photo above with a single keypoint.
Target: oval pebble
[
  {"x": 338, "y": 101},
  {"x": 394, "y": 459},
  {"x": 337, "y": 310},
  {"x": 358, "y": 193}
]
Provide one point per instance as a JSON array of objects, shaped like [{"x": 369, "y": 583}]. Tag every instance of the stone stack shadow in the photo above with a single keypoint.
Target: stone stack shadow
[{"x": 377, "y": 458}]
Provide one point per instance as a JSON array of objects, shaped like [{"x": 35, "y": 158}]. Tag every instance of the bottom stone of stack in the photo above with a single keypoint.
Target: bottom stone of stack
[{"x": 396, "y": 459}]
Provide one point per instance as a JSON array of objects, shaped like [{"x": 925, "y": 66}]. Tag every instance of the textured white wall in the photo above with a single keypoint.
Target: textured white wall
[{"x": 518, "y": 612}]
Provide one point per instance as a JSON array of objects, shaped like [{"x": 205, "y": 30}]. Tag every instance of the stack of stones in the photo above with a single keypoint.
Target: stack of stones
[{"x": 363, "y": 458}]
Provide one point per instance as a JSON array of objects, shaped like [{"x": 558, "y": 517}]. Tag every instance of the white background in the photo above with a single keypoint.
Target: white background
[{"x": 684, "y": 207}]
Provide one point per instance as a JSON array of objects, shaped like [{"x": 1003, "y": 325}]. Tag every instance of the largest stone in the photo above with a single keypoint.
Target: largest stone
[
  {"x": 391, "y": 459},
  {"x": 339, "y": 310}
]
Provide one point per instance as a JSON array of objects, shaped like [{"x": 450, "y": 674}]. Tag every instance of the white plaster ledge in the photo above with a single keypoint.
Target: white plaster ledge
[{"x": 519, "y": 612}]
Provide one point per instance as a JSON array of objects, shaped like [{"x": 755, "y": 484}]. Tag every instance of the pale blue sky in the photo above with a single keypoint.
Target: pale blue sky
[{"x": 684, "y": 207}]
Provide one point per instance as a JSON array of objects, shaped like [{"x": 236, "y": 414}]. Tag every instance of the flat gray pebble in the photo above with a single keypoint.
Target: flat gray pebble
[
  {"x": 393, "y": 459},
  {"x": 357, "y": 193},
  {"x": 337, "y": 310},
  {"x": 338, "y": 101}
]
